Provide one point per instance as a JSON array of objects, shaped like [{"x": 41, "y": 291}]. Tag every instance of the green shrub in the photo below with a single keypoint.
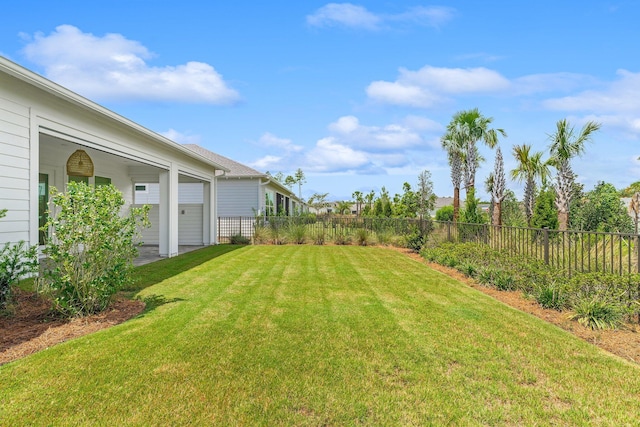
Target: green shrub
[
  {"x": 341, "y": 237},
  {"x": 362, "y": 237},
  {"x": 16, "y": 260},
  {"x": 551, "y": 295},
  {"x": 468, "y": 270},
  {"x": 297, "y": 233},
  {"x": 504, "y": 281},
  {"x": 415, "y": 241},
  {"x": 260, "y": 234},
  {"x": 445, "y": 213},
  {"x": 597, "y": 312},
  {"x": 239, "y": 239},
  {"x": 319, "y": 236},
  {"x": 91, "y": 251}
]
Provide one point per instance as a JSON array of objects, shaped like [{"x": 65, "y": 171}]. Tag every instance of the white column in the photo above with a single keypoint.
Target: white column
[
  {"x": 169, "y": 212},
  {"x": 207, "y": 226},
  {"x": 213, "y": 220}
]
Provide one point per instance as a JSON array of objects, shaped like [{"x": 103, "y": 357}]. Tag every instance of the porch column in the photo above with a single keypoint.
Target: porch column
[
  {"x": 168, "y": 207},
  {"x": 213, "y": 197},
  {"x": 208, "y": 217}
]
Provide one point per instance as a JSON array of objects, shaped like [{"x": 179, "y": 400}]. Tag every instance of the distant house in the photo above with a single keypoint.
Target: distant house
[{"x": 244, "y": 191}]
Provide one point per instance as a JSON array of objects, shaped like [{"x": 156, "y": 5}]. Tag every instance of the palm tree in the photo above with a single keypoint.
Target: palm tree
[
  {"x": 565, "y": 145},
  {"x": 453, "y": 143},
  {"x": 469, "y": 127},
  {"x": 359, "y": 198},
  {"x": 530, "y": 167},
  {"x": 497, "y": 188}
]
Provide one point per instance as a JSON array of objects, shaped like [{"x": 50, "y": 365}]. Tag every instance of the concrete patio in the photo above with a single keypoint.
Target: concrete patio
[{"x": 149, "y": 253}]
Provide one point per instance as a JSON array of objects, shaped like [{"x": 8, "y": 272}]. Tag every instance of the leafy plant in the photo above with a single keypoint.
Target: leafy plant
[
  {"x": 91, "y": 249},
  {"x": 239, "y": 239},
  {"x": 552, "y": 295},
  {"x": 319, "y": 236},
  {"x": 341, "y": 237},
  {"x": 260, "y": 234},
  {"x": 16, "y": 260},
  {"x": 598, "y": 313},
  {"x": 362, "y": 236},
  {"x": 297, "y": 233}
]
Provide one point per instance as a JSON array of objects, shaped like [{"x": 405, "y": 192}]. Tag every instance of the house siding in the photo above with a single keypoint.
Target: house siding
[
  {"x": 237, "y": 197},
  {"x": 189, "y": 225},
  {"x": 14, "y": 170}
]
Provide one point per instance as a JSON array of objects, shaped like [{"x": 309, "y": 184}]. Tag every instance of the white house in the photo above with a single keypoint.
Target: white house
[{"x": 44, "y": 126}]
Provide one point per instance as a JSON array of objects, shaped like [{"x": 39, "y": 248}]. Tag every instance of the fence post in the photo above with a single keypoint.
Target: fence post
[
  {"x": 448, "y": 231},
  {"x": 638, "y": 254},
  {"x": 545, "y": 242}
]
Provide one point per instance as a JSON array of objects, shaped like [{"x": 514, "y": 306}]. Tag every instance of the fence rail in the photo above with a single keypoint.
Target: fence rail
[{"x": 573, "y": 251}]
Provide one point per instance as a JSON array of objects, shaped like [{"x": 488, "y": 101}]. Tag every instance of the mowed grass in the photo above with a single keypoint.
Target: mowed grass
[{"x": 317, "y": 335}]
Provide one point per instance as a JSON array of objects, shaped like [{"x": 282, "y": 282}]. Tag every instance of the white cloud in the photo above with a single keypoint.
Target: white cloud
[
  {"x": 330, "y": 156},
  {"x": 354, "y": 16},
  {"x": 430, "y": 86},
  {"x": 270, "y": 140},
  {"x": 620, "y": 96},
  {"x": 181, "y": 138},
  {"x": 113, "y": 67},
  {"x": 344, "y": 14},
  {"x": 351, "y": 147},
  {"x": 267, "y": 163}
]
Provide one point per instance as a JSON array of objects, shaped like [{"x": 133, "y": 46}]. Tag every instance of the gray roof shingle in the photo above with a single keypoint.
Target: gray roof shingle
[{"x": 235, "y": 169}]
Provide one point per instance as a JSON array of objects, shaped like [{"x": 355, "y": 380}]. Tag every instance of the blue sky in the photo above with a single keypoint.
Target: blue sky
[{"x": 356, "y": 94}]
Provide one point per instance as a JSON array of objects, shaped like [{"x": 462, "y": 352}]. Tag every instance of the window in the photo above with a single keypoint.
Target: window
[
  {"x": 101, "y": 180},
  {"x": 141, "y": 187},
  {"x": 268, "y": 203}
]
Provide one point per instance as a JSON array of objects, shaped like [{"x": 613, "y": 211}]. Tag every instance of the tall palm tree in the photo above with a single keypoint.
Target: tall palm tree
[
  {"x": 530, "y": 167},
  {"x": 454, "y": 145},
  {"x": 498, "y": 185},
  {"x": 359, "y": 199},
  {"x": 470, "y": 126},
  {"x": 565, "y": 145}
]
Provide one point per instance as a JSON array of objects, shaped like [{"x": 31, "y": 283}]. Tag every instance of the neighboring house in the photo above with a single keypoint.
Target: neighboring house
[
  {"x": 243, "y": 191},
  {"x": 44, "y": 127},
  {"x": 242, "y": 194}
]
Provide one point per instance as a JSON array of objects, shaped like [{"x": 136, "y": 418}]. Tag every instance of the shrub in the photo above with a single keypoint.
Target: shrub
[
  {"x": 319, "y": 236},
  {"x": 504, "y": 281},
  {"x": 260, "y": 235},
  {"x": 414, "y": 241},
  {"x": 341, "y": 237},
  {"x": 16, "y": 260},
  {"x": 551, "y": 295},
  {"x": 597, "y": 312},
  {"x": 445, "y": 213},
  {"x": 91, "y": 249},
  {"x": 362, "y": 236},
  {"x": 297, "y": 233},
  {"x": 239, "y": 239}
]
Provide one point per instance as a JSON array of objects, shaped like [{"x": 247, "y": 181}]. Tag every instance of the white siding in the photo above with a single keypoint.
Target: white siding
[
  {"x": 189, "y": 225},
  {"x": 14, "y": 171},
  {"x": 238, "y": 197},
  {"x": 188, "y": 193}
]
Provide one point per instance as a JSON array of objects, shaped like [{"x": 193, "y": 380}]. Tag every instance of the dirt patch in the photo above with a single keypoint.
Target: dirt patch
[
  {"x": 32, "y": 327},
  {"x": 624, "y": 342}
]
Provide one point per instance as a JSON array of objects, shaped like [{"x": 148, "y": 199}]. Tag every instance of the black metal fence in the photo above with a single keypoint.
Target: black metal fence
[
  {"x": 573, "y": 251},
  {"x": 330, "y": 226}
]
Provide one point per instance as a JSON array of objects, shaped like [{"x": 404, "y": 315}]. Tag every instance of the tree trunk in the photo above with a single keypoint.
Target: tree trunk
[
  {"x": 456, "y": 204},
  {"x": 497, "y": 214},
  {"x": 563, "y": 220}
]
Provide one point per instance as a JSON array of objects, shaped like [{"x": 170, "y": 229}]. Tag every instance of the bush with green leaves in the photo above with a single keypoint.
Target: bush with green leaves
[
  {"x": 239, "y": 239},
  {"x": 16, "y": 261},
  {"x": 297, "y": 233},
  {"x": 598, "y": 312},
  {"x": 552, "y": 295},
  {"x": 91, "y": 248}
]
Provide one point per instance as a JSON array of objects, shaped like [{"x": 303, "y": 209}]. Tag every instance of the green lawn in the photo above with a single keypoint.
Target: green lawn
[{"x": 319, "y": 335}]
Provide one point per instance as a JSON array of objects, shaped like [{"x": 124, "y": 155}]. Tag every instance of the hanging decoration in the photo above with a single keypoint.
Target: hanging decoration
[{"x": 79, "y": 164}]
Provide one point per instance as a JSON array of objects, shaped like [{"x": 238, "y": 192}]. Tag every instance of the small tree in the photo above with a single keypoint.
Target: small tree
[
  {"x": 445, "y": 213},
  {"x": 545, "y": 213},
  {"x": 91, "y": 249},
  {"x": 426, "y": 196}
]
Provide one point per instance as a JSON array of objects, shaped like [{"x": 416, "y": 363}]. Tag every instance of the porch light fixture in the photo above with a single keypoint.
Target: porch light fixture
[{"x": 79, "y": 164}]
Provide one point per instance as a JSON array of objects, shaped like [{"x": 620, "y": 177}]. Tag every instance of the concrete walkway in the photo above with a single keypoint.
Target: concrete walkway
[{"x": 149, "y": 253}]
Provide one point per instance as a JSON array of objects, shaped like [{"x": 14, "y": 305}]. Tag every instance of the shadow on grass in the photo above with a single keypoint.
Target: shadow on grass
[
  {"x": 153, "y": 301},
  {"x": 155, "y": 272}
]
